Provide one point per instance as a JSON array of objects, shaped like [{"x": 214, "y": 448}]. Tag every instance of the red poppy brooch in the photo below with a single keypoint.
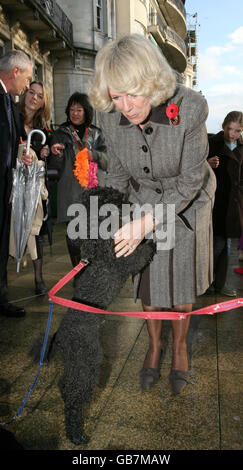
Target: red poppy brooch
[{"x": 172, "y": 112}]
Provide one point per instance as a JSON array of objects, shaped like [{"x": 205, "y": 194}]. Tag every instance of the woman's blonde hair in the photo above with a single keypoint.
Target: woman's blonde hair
[
  {"x": 41, "y": 116},
  {"x": 134, "y": 65}
]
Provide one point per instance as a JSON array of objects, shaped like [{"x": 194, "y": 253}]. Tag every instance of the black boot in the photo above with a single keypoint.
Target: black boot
[{"x": 40, "y": 287}]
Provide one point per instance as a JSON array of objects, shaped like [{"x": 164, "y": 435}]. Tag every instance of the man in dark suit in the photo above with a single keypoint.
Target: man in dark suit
[{"x": 15, "y": 76}]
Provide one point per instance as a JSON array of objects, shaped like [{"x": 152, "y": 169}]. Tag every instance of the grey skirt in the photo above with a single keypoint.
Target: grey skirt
[{"x": 180, "y": 274}]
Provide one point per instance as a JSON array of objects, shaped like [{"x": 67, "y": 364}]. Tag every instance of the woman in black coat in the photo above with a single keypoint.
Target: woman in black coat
[
  {"x": 74, "y": 135},
  {"x": 226, "y": 158}
]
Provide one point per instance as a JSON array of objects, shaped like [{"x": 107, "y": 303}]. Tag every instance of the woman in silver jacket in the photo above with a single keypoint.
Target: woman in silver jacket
[{"x": 157, "y": 147}]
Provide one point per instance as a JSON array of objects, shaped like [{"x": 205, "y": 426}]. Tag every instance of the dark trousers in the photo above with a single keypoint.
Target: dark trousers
[
  {"x": 221, "y": 260},
  {"x": 4, "y": 252}
]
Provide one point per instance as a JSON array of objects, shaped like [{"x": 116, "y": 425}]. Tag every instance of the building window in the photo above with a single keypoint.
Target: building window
[
  {"x": 38, "y": 72},
  {"x": 152, "y": 15},
  {"x": 99, "y": 14}
]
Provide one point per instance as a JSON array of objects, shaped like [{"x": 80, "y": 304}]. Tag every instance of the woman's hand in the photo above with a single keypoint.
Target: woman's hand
[
  {"x": 57, "y": 149},
  {"x": 27, "y": 158},
  {"x": 45, "y": 151},
  {"x": 130, "y": 235},
  {"x": 214, "y": 162},
  {"x": 90, "y": 155}
]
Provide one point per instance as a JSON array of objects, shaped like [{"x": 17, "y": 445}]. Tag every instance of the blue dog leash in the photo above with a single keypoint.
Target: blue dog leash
[
  {"x": 69, "y": 276},
  {"x": 210, "y": 310},
  {"x": 48, "y": 325}
]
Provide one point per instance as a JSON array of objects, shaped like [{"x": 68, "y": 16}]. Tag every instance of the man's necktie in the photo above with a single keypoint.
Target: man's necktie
[{"x": 9, "y": 114}]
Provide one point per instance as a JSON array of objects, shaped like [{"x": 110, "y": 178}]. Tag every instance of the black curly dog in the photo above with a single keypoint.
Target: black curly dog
[{"x": 78, "y": 334}]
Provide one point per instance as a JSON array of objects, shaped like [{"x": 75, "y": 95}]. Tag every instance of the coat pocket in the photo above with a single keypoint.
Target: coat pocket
[
  {"x": 134, "y": 184},
  {"x": 185, "y": 222}
]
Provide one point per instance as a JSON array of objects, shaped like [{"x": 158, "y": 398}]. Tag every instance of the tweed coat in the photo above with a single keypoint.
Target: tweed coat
[
  {"x": 228, "y": 207},
  {"x": 166, "y": 164}
]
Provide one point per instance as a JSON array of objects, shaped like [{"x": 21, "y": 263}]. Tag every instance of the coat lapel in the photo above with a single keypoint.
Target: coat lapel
[
  {"x": 2, "y": 92},
  {"x": 225, "y": 150},
  {"x": 16, "y": 119}
]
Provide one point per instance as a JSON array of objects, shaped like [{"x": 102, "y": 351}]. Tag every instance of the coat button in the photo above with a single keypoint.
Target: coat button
[
  {"x": 158, "y": 190},
  {"x": 149, "y": 130},
  {"x": 146, "y": 169},
  {"x": 144, "y": 148}
]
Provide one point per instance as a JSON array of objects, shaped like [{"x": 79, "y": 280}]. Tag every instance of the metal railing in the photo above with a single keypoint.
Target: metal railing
[
  {"x": 155, "y": 20},
  {"x": 180, "y": 6},
  {"x": 174, "y": 37},
  {"x": 168, "y": 33},
  {"x": 57, "y": 15}
]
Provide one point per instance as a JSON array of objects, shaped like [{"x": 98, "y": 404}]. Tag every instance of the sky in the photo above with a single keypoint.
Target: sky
[{"x": 220, "y": 56}]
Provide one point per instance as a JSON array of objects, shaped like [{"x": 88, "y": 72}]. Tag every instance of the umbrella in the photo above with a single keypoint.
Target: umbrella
[{"x": 27, "y": 182}]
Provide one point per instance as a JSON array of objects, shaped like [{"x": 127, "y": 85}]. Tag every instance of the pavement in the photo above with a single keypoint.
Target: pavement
[{"x": 206, "y": 416}]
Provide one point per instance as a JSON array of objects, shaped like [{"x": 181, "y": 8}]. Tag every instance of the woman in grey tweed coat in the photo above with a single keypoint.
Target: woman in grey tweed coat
[{"x": 158, "y": 157}]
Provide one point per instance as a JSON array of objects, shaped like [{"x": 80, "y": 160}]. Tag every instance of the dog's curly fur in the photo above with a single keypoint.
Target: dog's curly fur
[{"x": 78, "y": 333}]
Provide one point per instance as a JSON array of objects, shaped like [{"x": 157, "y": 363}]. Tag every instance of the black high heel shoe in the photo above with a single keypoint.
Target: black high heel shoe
[
  {"x": 178, "y": 380},
  {"x": 149, "y": 376}
]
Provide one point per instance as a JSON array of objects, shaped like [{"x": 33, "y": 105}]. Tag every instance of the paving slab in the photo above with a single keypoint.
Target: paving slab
[{"x": 206, "y": 416}]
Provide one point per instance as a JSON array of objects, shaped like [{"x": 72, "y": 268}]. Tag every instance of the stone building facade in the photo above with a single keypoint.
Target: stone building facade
[
  {"x": 62, "y": 37},
  {"x": 94, "y": 23},
  {"x": 42, "y": 30}
]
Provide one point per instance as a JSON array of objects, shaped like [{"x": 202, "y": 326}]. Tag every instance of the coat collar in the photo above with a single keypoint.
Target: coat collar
[
  {"x": 219, "y": 138},
  {"x": 3, "y": 88},
  {"x": 158, "y": 116},
  {"x": 158, "y": 113},
  {"x": 235, "y": 154}
]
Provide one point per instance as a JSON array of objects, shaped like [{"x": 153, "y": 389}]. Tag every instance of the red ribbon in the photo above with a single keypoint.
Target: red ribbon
[{"x": 210, "y": 310}]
